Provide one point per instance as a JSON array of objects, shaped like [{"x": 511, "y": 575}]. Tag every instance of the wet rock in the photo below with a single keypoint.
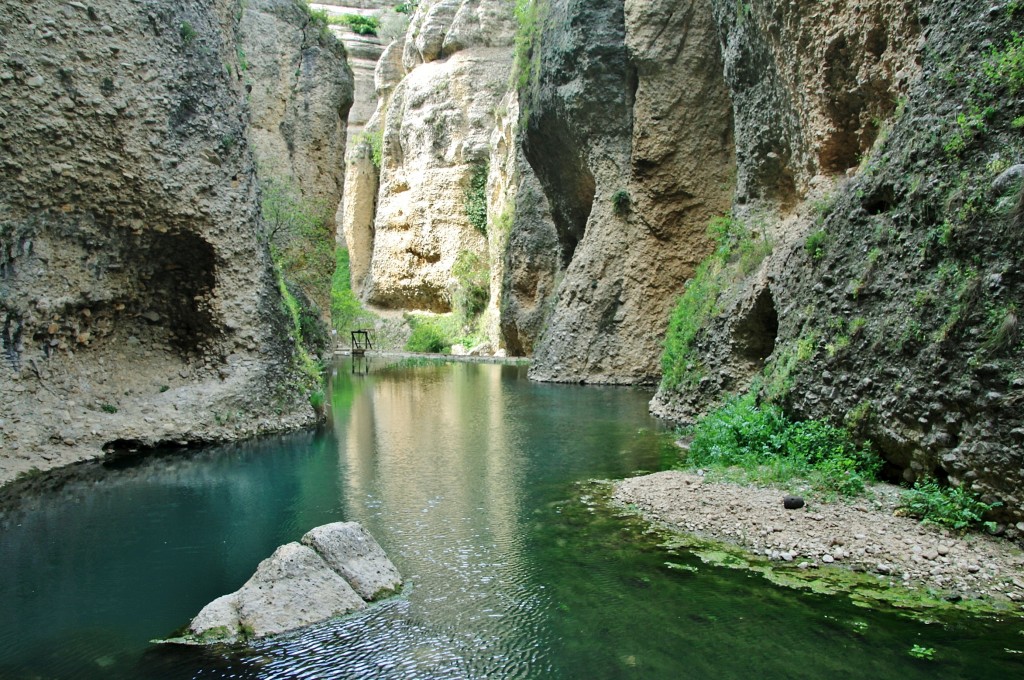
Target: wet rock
[
  {"x": 352, "y": 552},
  {"x": 336, "y": 569}
]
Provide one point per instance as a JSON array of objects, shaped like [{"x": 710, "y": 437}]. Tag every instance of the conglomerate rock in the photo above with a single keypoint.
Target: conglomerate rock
[{"x": 137, "y": 299}]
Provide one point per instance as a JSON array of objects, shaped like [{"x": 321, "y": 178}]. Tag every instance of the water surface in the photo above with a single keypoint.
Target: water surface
[{"x": 467, "y": 475}]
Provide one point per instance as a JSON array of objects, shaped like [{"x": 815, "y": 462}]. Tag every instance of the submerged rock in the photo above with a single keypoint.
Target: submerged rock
[{"x": 334, "y": 571}]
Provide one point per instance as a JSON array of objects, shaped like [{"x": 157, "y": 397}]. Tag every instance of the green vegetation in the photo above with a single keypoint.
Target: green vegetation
[
  {"x": 361, "y": 24},
  {"x": 472, "y": 289},
  {"x": 302, "y": 249},
  {"x": 815, "y": 244},
  {"x": 470, "y": 293},
  {"x": 759, "y": 443},
  {"x": 303, "y": 330},
  {"x": 187, "y": 32},
  {"x": 347, "y": 313},
  {"x": 621, "y": 202},
  {"x": 300, "y": 240},
  {"x": 1004, "y": 67},
  {"x": 429, "y": 335},
  {"x": 476, "y": 197},
  {"x": 406, "y": 7},
  {"x": 919, "y": 652},
  {"x": 108, "y": 408},
  {"x": 738, "y": 252},
  {"x": 530, "y": 16},
  {"x": 952, "y": 507}
]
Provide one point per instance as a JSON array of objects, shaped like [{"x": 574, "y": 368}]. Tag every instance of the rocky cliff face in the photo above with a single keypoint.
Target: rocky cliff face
[
  {"x": 633, "y": 150},
  {"x": 437, "y": 112},
  {"x": 138, "y": 302},
  {"x": 300, "y": 90},
  {"x": 889, "y": 181}
]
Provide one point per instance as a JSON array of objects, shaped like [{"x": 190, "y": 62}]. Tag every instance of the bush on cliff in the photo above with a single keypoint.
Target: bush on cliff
[{"x": 759, "y": 443}]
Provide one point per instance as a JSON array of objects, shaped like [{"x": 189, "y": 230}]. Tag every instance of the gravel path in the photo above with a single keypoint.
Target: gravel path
[{"x": 864, "y": 535}]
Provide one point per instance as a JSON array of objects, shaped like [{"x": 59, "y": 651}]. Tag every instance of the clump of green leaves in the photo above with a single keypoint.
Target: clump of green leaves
[
  {"x": 300, "y": 240},
  {"x": 621, "y": 202},
  {"x": 108, "y": 408},
  {"x": 737, "y": 253},
  {"x": 815, "y": 244},
  {"x": 427, "y": 337},
  {"x": 476, "y": 197},
  {"x": 472, "y": 285},
  {"x": 761, "y": 443},
  {"x": 187, "y": 32},
  {"x": 1005, "y": 65},
  {"x": 359, "y": 23},
  {"x": 347, "y": 313},
  {"x": 947, "y": 506},
  {"x": 919, "y": 652}
]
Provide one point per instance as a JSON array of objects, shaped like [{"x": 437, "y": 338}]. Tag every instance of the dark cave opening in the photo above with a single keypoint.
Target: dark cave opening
[{"x": 755, "y": 333}]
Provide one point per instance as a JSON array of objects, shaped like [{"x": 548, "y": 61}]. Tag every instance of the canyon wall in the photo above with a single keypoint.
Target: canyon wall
[
  {"x": 436, "y": 127},
  {"x": 633, "y": 150},
  {"x": 883, "y": 163},
  {"x": 137, "y": 299}
]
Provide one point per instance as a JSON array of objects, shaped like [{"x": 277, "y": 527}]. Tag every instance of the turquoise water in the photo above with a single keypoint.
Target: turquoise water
[{"x": 467, "y": 475}]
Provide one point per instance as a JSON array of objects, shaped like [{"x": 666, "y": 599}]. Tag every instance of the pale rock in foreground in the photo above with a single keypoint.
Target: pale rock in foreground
[
  {"x": 335, "y": 571},
  {"x": 350, "y": 551}
]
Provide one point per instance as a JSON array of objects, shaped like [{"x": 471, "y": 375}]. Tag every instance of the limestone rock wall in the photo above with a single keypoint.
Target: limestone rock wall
[
  {"x": 811, "y": 83},
  {"x": 633, "y": 150},
  {"x": 437, "y": 125},
  {"x": 889, "y": 302},
  {"x": 137, "y": 301},
  {"x": 300, "y": 91}
]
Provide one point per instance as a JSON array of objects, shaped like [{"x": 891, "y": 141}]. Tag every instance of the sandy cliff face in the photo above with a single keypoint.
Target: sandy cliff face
[
  {"x": 437, "y": 125},
  {"x": 633, "y": 150},
  {"x": 138, "y": 302}
]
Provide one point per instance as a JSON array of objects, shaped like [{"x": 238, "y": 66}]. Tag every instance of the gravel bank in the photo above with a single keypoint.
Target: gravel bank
[{"x": 863, "y": 535}]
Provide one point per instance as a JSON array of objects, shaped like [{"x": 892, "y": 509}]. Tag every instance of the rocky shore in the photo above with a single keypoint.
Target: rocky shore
[{"x": 862, "y": 536}]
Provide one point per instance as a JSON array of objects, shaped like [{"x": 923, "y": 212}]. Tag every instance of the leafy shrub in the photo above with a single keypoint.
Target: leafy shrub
[
  {"x": 347, "y": 313},
  {"x": 427, "y": 337},
  {"x": 769, "y": 447},
  {"x": 472, "y": 288},
  {"x": 738, "y": 252},
  {"x": 363, "y": 25},
  {"x": 953, "y": 507},
  {"x": 621, "y": 202},
  {"x": 815, "y": 244},
  {"x": 476, "y": 197},
  {"x": 187, "y": 32},
  {"x": 1005, "y": 66}
]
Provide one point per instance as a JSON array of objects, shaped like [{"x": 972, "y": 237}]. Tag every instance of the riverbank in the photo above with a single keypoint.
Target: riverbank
[
  {"x": 862, "y": 536},
  {"x": 65, "y": 411}
]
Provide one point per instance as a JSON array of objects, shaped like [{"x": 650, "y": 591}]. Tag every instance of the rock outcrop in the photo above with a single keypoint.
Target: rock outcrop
[
  {"x": 889, "y": 302},
  {"x": 137, "y": 299},
  {"x": 437, "y": 124},
  {"x": 633, "y": 150},
  {"x": 300, "y": 89},
  {"x": 334, "y": 571}
]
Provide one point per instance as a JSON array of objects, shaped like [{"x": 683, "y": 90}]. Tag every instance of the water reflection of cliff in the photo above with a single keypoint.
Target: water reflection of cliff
[{"x": 438, "y": 449}]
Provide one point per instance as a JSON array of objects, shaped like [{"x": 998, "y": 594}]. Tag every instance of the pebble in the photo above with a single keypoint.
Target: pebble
[{"x": 827, "y": 559}]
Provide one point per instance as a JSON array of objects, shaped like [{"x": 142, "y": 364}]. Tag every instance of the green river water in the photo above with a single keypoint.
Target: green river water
[{"x": 468, "y": 475}]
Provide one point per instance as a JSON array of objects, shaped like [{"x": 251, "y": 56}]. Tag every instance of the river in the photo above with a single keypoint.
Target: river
[{"x": 469, "y": 475}]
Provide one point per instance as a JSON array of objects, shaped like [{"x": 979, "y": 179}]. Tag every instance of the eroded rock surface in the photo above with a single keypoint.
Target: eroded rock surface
[
  {"x": 137, "y": 299},
  {"x": 437, "y": 124},
  {"x": 633, "y": 149},
  {"x": 334, "y": 571}
]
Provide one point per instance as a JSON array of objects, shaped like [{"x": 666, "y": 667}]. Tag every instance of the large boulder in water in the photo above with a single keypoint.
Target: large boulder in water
[
  {"x": 351, "y": 551},
  {"x": 334, "y": 571}
]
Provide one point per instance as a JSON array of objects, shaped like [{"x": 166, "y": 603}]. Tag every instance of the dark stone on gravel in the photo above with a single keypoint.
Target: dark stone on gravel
[{"x": 792, "y": 502}]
